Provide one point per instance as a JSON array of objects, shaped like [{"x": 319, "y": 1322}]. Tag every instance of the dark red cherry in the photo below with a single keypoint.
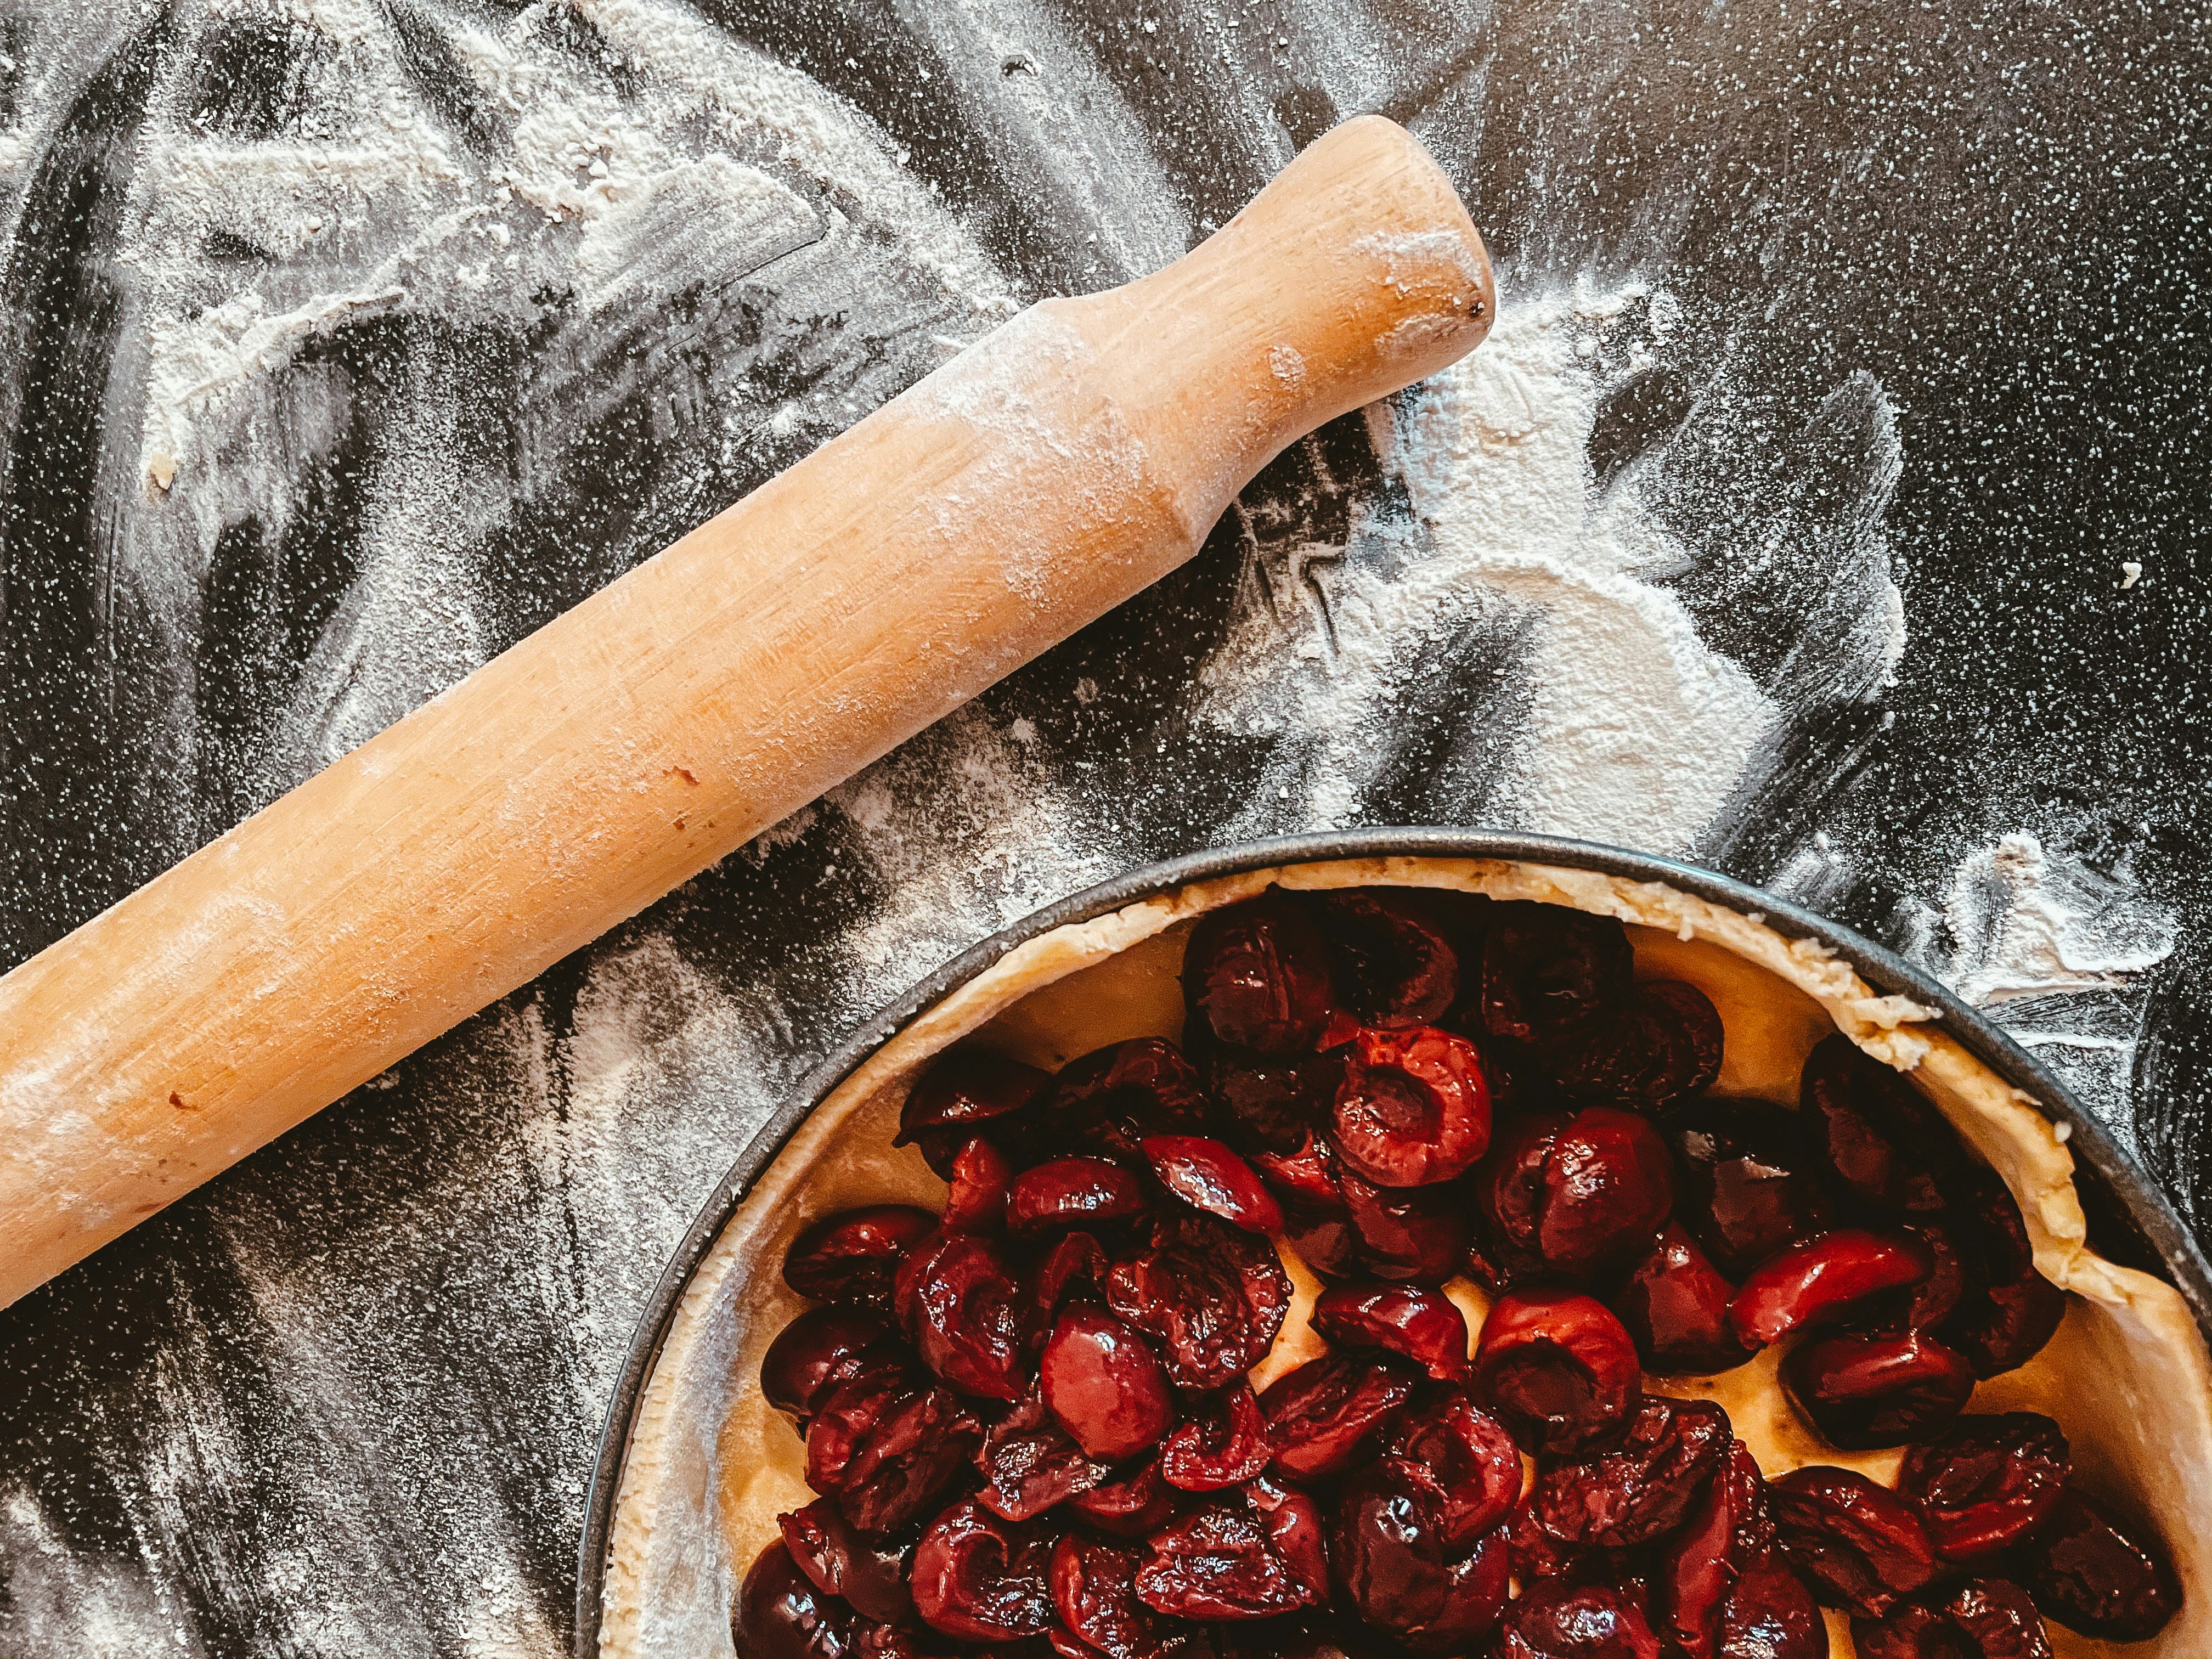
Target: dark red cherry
[
  {"x": 1209, "y": 1296},
  {"x": 818, "y": 1350},
  {"x": 976, "y": 1201},
  {"x": 1072, "y": 1192},
  {"x": 1606, "y": 1188},
  {"x": 2094, "y": 1571},
  {"x": 1471, "y": 1458},
  {"x": 1748, "y": 1185},
  {"x": 1987, "y": 1482},
  {"x": 872, "y": 1577},
  {"x": 1224, "y": 1441},
  {"x": 1424, "y": 1325},
  {"x": 978, "y": 1578},
  {"x": 1641, "y": 1486},
  {"x": 1508, "y": 1193},
  {"x": 1674, "y": 1305},
  {"x": 1863, "y": 1393},
  {"x": 1257, "y": 975},
  {"x": 1316, "y": 1218},
  {"x": 1136, "y": 1506},
  {"x": 1412, "y": 1107},
  {"x": 958, "y": 1301},
  {"x": 1029, "y": 1463},
  {"x": 1094, "y": 1591},
  {"x": 1305, "y": 1177},
  {"x": 1415, "y": 1234},
  {"x": 1937, "y": 1297},
  {"x": 2009, "y": 1310},
  {"x": 1249, "y": 1554},
  {"x": 1387, "y": 1546},
  {"x": 1826, "y": 1280},
  {"x": 1270, "y": 1103},
  {"x": 1981, "y": 1619},
  {"x": 1557, "y": 1369},
  {"x": 1547, "y": 970},
  {"x": 1862, "y": 1547},
  {"x": 1207, "y": 1175},
  {"x": 852, "y": 1257},
  {"x": 1327, "y": 1413},
  {"x": 1104, "y": 1384},
  {"x": 782, "y": 1614},
  {"x": 888, "y": 1453},
  {"x": 961, "y": 1092},
  {"x": 1562, "y": 1618},
  {"x": 1769, "y": 1614},
  {"x": 1658, "y": 1048},
  {"x": 1875, "y": 1134},
  {"x": 1536, "y": 1555},
  {"x": 1727, "y": 1532},
  {"x": 1113, "y": 1098},
  {"x": 1397, "y": 965},
  {"x": 1074, "y": 1266}
]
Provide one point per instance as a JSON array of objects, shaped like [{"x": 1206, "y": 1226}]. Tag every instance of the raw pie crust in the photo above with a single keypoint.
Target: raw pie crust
[{"x": 710, "y": 1464}]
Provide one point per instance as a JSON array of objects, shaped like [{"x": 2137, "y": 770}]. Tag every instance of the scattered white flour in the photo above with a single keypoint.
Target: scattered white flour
[{"x": 1638, "y": 731}]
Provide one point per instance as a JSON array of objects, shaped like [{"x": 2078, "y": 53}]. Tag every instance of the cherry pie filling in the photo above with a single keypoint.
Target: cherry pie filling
[{"x": 1028, "y": 1420}]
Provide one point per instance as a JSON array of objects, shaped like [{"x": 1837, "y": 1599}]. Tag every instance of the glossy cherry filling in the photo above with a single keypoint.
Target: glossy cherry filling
[
  {"x": 1324, "y": 1415},
  {"x": 1103, "y": 1385},
  {"x": 1875, "y": 1135},
  {"x": 976, "y": 1200},
  {"x": 1388, "y": 1547},
  {"x": 1547, "y": 970},
  {"x": 1642, "y": 1485},
  {"x": 871, "y": 1576},
  {"x": 1398, "y": 966},
  {"x": 965, "y": 1090},
  {"x": 1248, "y": 1554},
  {"x": 1863, "y": 1393},
  {"x": 2094, "y": 1571},
  {"x": 1565, "y": 1619},
  {"x": 1029, "y": 1463},
  {"x": 1659, "y": 1048},
  {"x": 959, "y": 1302},
  {"x": 1094, "y": 1591},
  {"x": 1557, "y": 1369},
  {"x": 817, "y": 1351},
  {"x": 1207, "y": 1175},
  {"x": 1674, "y": 1305},
  {"x": 854, "y": 1256},
  {"x": 1072, "y": 1192},
  {"x": 1987, "y": 1482},
  {"x": 1424, "y": 1325},
  {"x": 1111, "y": 1100},
  {"x": 1209, "y": 1296},
  {"x": 1981, "y": 1619},
  {"x": 1568, "y": 1197},
  {"x": 1258, "y": 975},
  {"x": 1412, "y": 1107},
  {"x": 979, "y": 1578},
  {"x": 1748, "y": 1181},
  {"x": 1825, "y": 1280},
  {"x": 1223, "y": 1442},
  {"x": 1860, "y": 1545},
  {"x": 1469, "y": 1456}
]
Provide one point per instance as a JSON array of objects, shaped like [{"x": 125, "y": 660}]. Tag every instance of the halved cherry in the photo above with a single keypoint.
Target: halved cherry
[
  {"x": 1103, "y": 1383},
  {"x": 1769, "y": 1614},
  {"x": 1508, "y": 1193},
  {"x": 1536, "y": 1555},
  {"x": 1250, "y": 1554},
  {"x": 1325, "y": 1413},
  {"x": 1863, "y": 1393},
  {"x": 1862, "y": 1547},
  {"x": 1565, "y": 1618},
  {"x": 2098, "y": 1573},
  {"x": 1749, "y": 1185},
  {"x": 1982, "y": 1619},
  {"x": 1658, "y": 1048},
  {"x": 978, "y": 1578},
  {"x": 1674, "y": 1305},
  {"x": 1826, "y": 1280},
  {"x": 1728, "y": 1531},
  {"x": 976, "y": 1201},
  {"x": 1398, "y": 967},
  {"x": 1223, "y": 1442},
  {"x": 1387, "y": 1549},
  {"x": 1416, "y": 1235},
  {"x": 959, "y": 1302},
  {"x": 1412, "y": 1107},
  {"x": 1606, "y": 1188},
  {"x": 888, "y": 1453},
  {"x": 839, "y": 1562},
  {"x": 1209, "y": 1296},
  {"x": 781, "y": 1613},
  {"x": 818, "y": 1350},
  {"x": 1094, "y": 1591},
  {"x": 1257, "y": 975},
  {"x": 1987, "y": 1481},
  {"x": 1305, "y": 1177},
  {"x": 1937, "y": 1297},
  {"x": 1134, "y": 1506},
  {"x": 1029, "y": 1463},
  {"x": 1113, "y": 1097},
  {"x": 1877, "y": 1136},
  {"x": 1557, "y": 1369},
  {"x": 2010, "y": 1310},
  {"x": 1270, "y": 1102},
  {"x": 1074, "y": 1266},
  {"x": 1425, "y": 1325},
  {"x": 1207, "y": 1175},
  {"x": 1072, "y": 1192},
  {"x": 1545, "y": 970},
  {"x": 1471, "y": 1458},
  {"x": 1641, "y": 1486},
  {"x": 853, "y": 1255},
  {"x": 965, "y": 1088}
]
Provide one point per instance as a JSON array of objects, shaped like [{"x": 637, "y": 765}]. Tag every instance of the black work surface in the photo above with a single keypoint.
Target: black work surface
[{"x": 1933, "y": 278}]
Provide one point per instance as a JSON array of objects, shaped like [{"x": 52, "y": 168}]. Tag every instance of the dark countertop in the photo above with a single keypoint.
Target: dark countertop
[{"x": 300, "y": 417}]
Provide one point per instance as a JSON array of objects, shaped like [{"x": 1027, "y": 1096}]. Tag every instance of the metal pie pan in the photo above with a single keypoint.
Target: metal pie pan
[{"x": 2131, "y": 1220}]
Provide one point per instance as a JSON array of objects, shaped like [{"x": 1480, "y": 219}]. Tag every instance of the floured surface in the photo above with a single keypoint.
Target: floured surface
[{"x": 689, "y": 1519}]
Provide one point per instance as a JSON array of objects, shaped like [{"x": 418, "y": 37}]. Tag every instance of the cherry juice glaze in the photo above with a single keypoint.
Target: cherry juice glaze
[{"x": 1771, "y": 1026}]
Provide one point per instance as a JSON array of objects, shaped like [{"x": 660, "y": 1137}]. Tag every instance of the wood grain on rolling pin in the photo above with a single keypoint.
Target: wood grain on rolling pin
[{"x": 1059, "y": 466}]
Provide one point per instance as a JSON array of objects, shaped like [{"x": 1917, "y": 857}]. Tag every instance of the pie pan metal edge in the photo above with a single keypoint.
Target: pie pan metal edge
[{"x": 2131, "y": 1220}]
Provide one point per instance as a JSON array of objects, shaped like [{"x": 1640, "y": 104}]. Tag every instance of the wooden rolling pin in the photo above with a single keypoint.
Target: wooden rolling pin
[{"x": 1051, "y": 470}]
